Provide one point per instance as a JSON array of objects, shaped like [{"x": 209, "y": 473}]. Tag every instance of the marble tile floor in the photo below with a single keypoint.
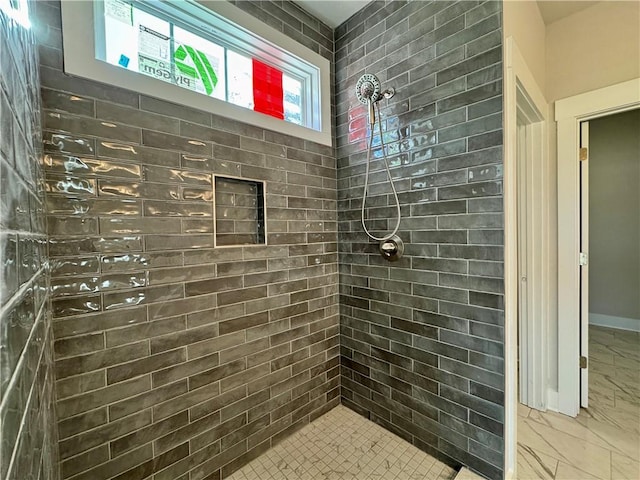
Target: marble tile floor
[
  {"x": 342, "y": 445},
  {"x": 603, "y": 441}
]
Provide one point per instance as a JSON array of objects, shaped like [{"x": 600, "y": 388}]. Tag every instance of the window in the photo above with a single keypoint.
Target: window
[
  {"x": 18, "y": 10},
  {"x": 215, "y": 57}
]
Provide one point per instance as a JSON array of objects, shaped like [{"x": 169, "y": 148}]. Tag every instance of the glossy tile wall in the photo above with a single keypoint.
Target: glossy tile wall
[
  {"x": 27, "y": 424},
  {"x": 422, "y": 338},
  {"x": 175, "y": 360}
]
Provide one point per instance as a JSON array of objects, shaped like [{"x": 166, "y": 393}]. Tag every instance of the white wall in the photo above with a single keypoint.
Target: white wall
[
  {"x": 523, "y": 22},
  {"x": 614, "y": 217},
  {"x": 594, "y": 48}
]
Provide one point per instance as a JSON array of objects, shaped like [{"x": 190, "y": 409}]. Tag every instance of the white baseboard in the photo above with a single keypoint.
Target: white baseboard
[{"x": 621, "y": 323}]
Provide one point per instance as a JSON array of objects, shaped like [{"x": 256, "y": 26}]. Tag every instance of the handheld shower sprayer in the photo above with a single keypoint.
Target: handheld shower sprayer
[{"x": 369, "y": 92}]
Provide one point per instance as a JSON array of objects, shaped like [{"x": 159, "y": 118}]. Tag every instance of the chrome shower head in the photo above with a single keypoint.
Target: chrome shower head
[
  {"x": 368, "y": 92},
  {"x": 368, "y": 89}
]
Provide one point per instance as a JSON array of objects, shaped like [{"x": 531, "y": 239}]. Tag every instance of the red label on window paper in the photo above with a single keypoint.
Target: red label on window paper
[{"x": 268, "y": 96}]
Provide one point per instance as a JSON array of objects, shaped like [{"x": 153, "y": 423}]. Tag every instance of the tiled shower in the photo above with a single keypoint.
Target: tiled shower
[
  {"x": 422, "y": 338},
  {"x": 175, "y": 357}
]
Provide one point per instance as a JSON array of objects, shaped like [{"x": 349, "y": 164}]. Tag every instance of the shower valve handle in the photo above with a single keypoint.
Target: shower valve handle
[
  {"x": 389, "y": 247},
  {"x": 392, "y": 248}
]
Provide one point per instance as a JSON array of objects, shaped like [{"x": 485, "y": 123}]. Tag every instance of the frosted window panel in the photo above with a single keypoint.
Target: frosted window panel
[
  {"x": 123, "y": 37},
  {"x": 240, "y": 75},
  {"x": 199, "y": 64},
  {"x": 292, "y": 99},
  {"x": 119, "y": 31},
  {"x": 154, "y": 52}
]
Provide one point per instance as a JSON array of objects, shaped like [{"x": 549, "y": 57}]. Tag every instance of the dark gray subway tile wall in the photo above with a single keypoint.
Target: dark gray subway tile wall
[
  {"x": 422, "y": 339},
  {"x": 288, "y": 18},
  {"x": 28, "y": 433},
  {"x": 176, "y": 360}
]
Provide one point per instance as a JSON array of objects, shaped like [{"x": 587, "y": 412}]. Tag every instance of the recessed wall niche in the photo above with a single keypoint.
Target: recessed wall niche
[{"x": 239, "y": 211}]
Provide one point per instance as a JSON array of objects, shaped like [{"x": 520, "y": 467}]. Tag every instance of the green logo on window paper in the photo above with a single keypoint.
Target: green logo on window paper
[{"x": 202, "y": 70}]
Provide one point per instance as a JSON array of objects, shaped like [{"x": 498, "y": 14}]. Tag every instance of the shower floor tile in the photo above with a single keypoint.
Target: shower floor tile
[{"x": 342, "y": 445}]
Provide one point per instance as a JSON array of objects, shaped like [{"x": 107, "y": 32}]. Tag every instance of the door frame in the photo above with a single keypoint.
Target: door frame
[
  {"x": 521, "y": 92},
  {"x": 584, "y": 266},
  {"x": 569, "y": 112},
  {"x": 533, "y": 250}
]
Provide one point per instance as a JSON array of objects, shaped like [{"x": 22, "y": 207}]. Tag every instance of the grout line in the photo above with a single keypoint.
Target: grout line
[
  {"x": 32, "y": 391},
  {"x": 41, "y": 317},
  {"x": 24, "y": 233},
  {"x": 19, "y": 294}
]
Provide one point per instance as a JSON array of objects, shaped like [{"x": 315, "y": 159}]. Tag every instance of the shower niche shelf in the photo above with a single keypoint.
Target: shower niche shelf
[{"x": 239, "y": 211}]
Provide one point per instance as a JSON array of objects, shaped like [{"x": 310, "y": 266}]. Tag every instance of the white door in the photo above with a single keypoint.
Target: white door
[{"x": 584, "y": 263}]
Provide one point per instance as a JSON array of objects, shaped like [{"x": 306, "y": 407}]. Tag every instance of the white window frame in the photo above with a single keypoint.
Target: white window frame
[{"x": 79, "y": 44}]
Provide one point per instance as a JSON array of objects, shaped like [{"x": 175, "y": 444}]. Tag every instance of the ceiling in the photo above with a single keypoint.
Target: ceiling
[
  {"x": 554, "y": 10},
  {"x": 332, "y": 12},
  {"x": 335, "y": 12}
]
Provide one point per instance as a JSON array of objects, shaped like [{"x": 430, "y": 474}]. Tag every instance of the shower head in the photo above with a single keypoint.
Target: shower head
[
  {"x": 368, "y": 89},
  {"x": 368, "y": 92}
]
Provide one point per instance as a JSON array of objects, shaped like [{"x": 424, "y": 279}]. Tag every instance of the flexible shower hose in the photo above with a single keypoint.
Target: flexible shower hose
[{"x": 366, "y": 182}]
